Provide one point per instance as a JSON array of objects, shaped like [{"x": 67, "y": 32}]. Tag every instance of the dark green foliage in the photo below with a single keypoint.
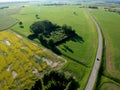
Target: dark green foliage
[
  {"x": 51, "y": 34},
  {"x": 114, "y": 10},
  {"x": 4, "y": 7},
  {"x": 21, "y": 26},
  {"x": 44, "y": 27},
  {"x": 37, "y": 27},
  {"x": 20, "y": 23},
  {"x": 93, "y": 7},
  {"x": 55, "y": 80},
  {"x": 32, "y": 36},
  {"x": 51, "y": 42},
  {"x": 37, "y": 16},
  {"x": 37, "y": 86}
]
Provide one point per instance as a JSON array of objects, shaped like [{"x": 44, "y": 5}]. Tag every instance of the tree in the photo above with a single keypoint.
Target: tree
[
  {"x": 20, "y": 23},
  {"x": 51, "y": 42},
  {"x": 37, "y": 86},
  {"x": 37, "y": 16},
  {"x": 42, "y": 27},
  {"x": 37, "y": 27}
]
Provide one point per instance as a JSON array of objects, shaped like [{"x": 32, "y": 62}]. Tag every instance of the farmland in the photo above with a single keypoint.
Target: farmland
[
  {"x": 66, "y": 16},
  {"x": 80, "y": 53},
  {"x": 6, "y": 20},
  {"x": 109, "y": 22},
  {"x": 22, "y": 62}
]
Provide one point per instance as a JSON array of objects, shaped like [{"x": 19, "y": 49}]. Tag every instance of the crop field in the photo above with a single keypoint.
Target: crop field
[
  {"x": 22, "y": 62},
  {"x": 6, "y": 20},
  {"x": 110, "y": 24}
]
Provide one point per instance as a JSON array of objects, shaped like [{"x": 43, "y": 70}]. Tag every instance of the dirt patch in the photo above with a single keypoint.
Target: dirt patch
[
  {"x": 35, "y": 71},
  {"x": 14, "y": 74},
  {"x": 7, "y": 42},
  {"x": 50, "y": 62},
  {"x": 8, "y": 68},
  {"x": 23, "y": 47},
  {"x": 18, "y": 36}
]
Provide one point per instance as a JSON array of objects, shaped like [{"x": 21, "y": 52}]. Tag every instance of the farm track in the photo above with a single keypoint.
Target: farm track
[{"x": 97, "y": 63}]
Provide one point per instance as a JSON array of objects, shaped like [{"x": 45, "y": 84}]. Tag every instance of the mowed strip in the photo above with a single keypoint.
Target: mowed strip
[{"x": 21, "y": 62}]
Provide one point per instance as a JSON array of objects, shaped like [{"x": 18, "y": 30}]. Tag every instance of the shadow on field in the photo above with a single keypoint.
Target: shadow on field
[
  {"x": 77, "y": 38},
  {"x": 32, "y": 36},
  {"x": 74, "y": 38},
  {"x": 66, "y": 48}
]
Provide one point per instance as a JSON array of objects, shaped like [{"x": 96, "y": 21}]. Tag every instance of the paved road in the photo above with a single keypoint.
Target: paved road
[{"x": 94, "y": 72}]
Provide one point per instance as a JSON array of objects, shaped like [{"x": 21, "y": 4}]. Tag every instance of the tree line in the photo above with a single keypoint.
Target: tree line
[
  {"x": 49, "y": 34},
  {"x": 55, "y": 80}
]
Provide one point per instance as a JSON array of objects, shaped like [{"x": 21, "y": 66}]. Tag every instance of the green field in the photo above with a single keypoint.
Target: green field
[
  {"x": 6, "y": 20},
  {"x": 81, "y": 59},
  {"x": 109, "y": 23},
  {"x": 108, "y": 84},
  {"x": 66, "y": 16}
]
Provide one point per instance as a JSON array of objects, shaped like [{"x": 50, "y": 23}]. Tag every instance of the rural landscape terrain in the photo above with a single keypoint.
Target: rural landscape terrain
[{"x": 60, "y": 45}]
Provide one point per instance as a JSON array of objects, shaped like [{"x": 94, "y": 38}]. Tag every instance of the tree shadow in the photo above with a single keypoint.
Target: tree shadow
[
  {"x": 32, "y": 36},
  {"x": 53, "y": 47},
  {"x": 77, "y": 38},
  {"x": 74, "y": 38},
  {"x": 61, "y": 80},
  {"x": 66, "y": 48},
  {"x": 21, "y": 26}
]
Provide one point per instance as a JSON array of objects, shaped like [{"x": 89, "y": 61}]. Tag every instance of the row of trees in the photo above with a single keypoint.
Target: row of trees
[
  {"x": 46, "y": 31},
  {"x": 43, "y": 29},
  {"x": 114, "y": 10},
  {"x": 4, "y": 7},
  {"x": 55, "y": 80},
  {"x": 93, "y": 7}
]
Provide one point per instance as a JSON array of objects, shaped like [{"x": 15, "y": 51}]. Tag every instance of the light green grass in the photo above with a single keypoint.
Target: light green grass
[{"x": 83, "y": 52}]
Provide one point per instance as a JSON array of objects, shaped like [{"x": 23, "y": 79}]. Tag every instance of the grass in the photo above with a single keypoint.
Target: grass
[
  {"x": 108, "y": 84},
  {"x": 5, "y": 17},
  {"x": 21, "y": 62},
  {"x": 109, "y": 23},
  {"x": 82, "y": 51}
]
